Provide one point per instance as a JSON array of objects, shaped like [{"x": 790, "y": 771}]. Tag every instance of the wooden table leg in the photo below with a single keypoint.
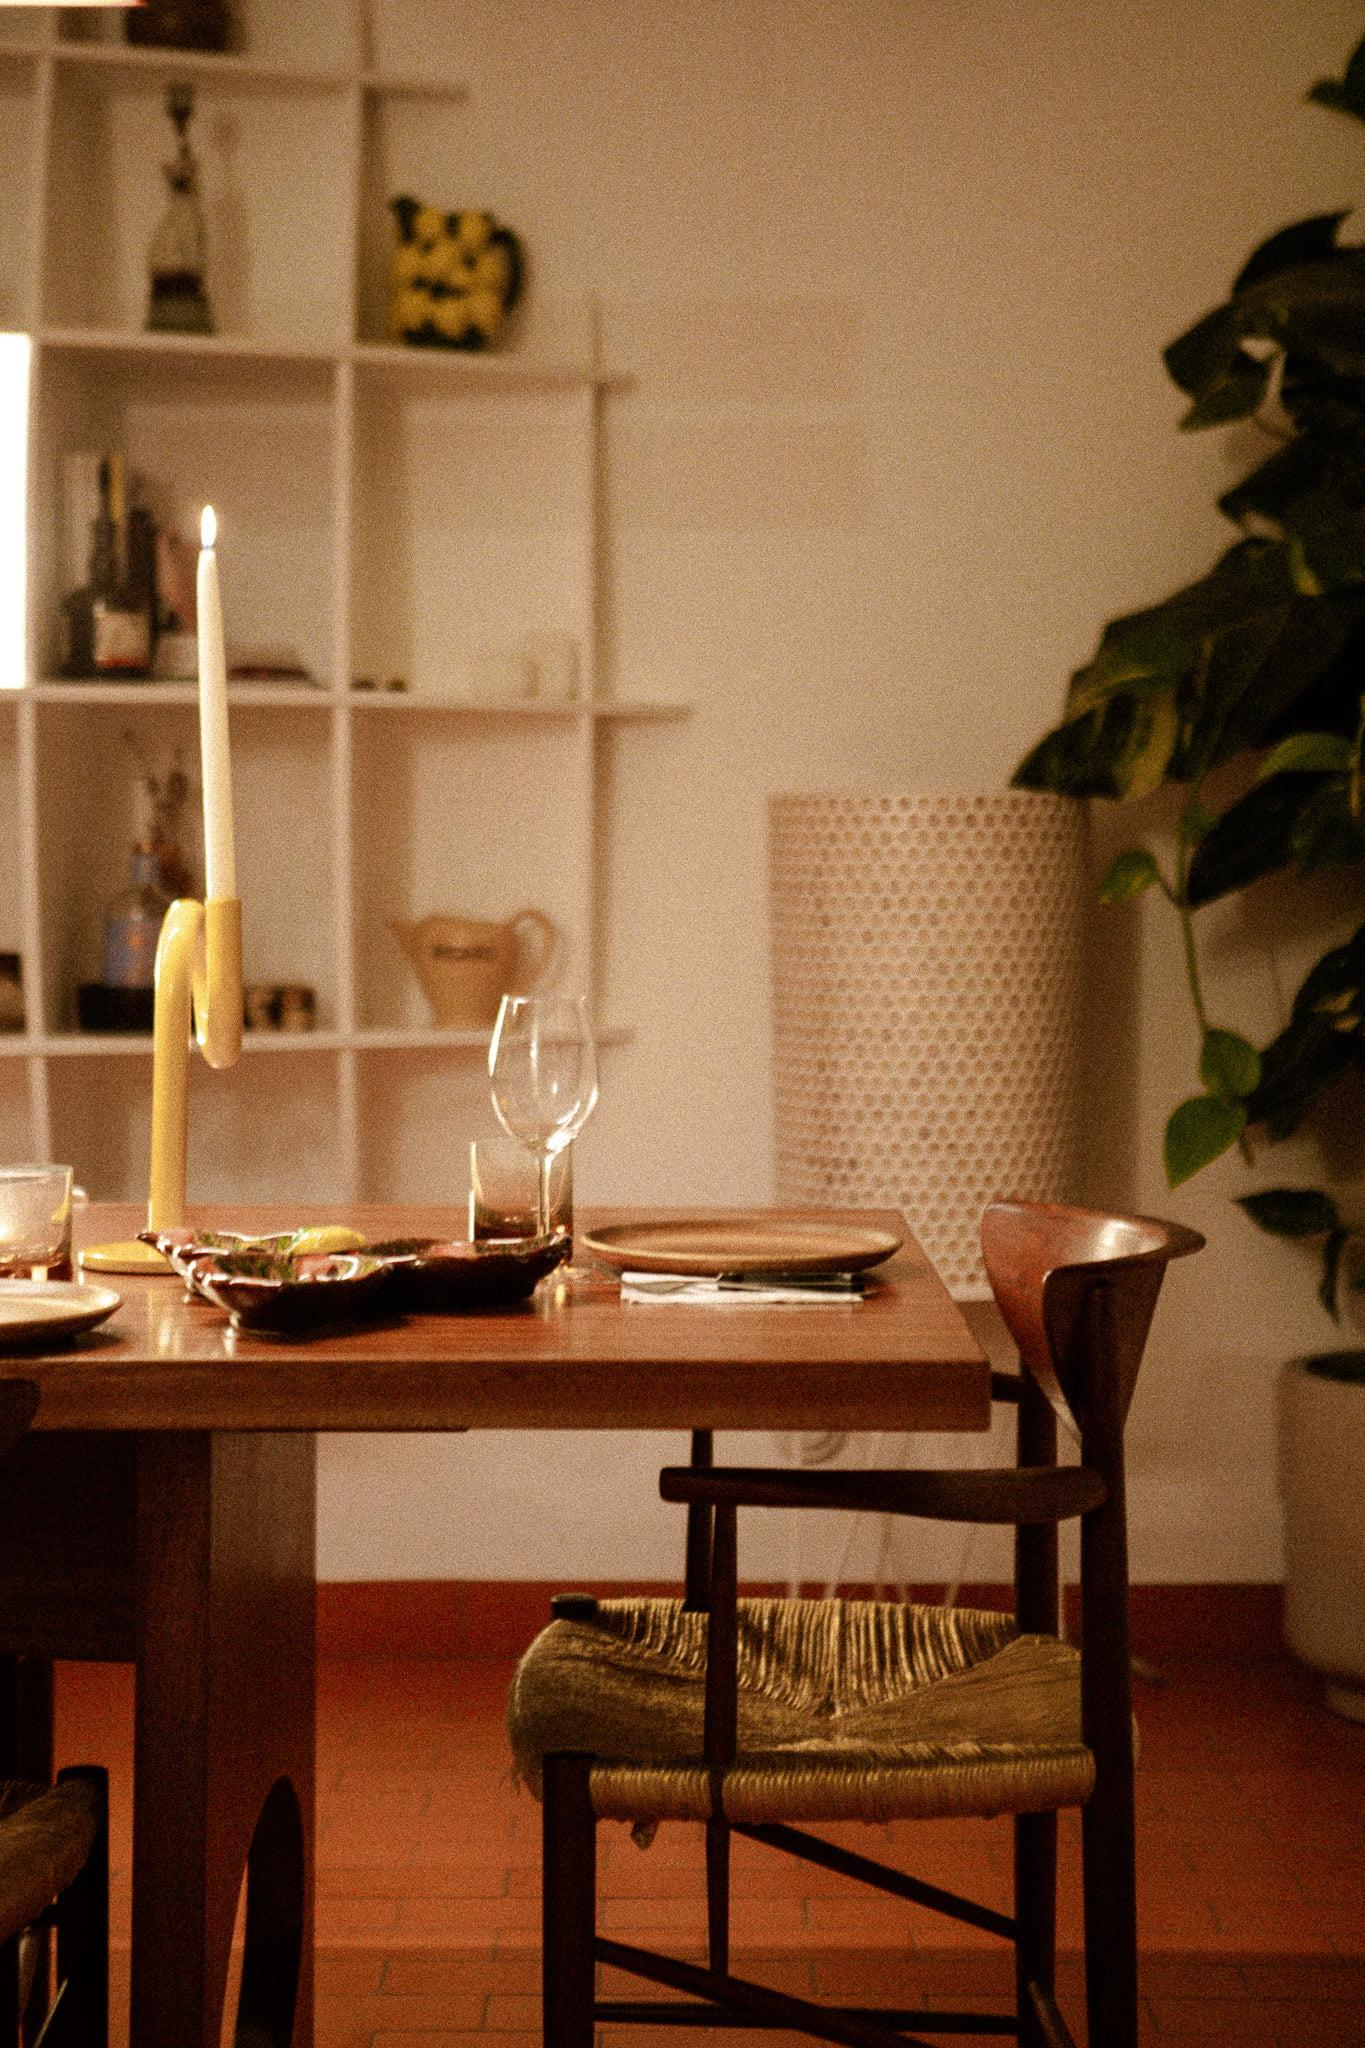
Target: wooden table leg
[{"x": 223, "y": 1746}]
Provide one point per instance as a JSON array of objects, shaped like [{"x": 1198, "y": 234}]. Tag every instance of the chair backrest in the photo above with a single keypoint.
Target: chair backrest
[{"x": 1077, "y": 1289}]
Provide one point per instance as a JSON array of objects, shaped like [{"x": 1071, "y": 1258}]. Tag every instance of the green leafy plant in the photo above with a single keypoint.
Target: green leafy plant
[{"x": 1262, "y": 661}]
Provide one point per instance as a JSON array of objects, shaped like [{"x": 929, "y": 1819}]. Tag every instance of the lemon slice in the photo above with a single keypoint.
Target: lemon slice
[{"x": 327, "y": 1237}]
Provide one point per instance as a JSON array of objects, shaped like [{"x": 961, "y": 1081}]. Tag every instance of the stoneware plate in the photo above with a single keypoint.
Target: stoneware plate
[
  {"x": 440, "y": 1277},
  {"x": 276, "y": 1294},
  {"x": 41, "y": 1314},
  {"x": 740, "y": 1244}
]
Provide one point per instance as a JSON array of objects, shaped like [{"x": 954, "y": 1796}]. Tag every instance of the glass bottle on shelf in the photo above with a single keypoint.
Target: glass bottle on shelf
[
  {"x": 120, "y": 614},
  {"x": 179, "y": 301},
  {"x": 132, "y": 923}
]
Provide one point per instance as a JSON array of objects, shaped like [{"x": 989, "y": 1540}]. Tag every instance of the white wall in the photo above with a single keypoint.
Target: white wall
[{"x": 889, "y": 279}]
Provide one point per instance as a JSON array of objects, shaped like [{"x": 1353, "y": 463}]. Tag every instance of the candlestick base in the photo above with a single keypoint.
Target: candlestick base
[{"x": 128, "y": 1256}]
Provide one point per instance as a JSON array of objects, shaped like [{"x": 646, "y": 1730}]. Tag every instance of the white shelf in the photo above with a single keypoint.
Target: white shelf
[
  {"x": 640, "y": 712},
  {"x": 376, "y": 1038},
  {"x": 226, "y": 68},
  {"x": 386, "y": 510},
  {"x": 495, "y": 371},
  {"x": 213, "y": 347},
  {"x": 82, "y": 690},
  {"x": 321, "y": 697}
]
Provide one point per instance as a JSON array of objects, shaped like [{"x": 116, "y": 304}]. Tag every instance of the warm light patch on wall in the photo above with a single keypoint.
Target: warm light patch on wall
[{"x": 15, "y": 352}]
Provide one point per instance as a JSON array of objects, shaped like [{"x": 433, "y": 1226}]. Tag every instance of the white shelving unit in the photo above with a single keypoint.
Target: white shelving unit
[{"x": 384, "y": 511}]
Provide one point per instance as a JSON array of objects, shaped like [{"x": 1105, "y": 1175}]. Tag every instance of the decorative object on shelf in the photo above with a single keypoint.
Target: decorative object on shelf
[
  {"x": 199, "y": 953},
  {"x": 132, "y": 924},
  {"x": 180, "y": 24},
  {"x": 179, "y": 300},
  {"x": 121, "y": 1000},
  {"x": 108, "y": 622},
  {"x": 175, "y": 657},
  {"x": 466, "y": 965},
  {"x": 927, "y": 955},
  {"x": 279, "y": 1006},
  {"x": 11, "y": 992},
  {"x": 454, "y": 277}
]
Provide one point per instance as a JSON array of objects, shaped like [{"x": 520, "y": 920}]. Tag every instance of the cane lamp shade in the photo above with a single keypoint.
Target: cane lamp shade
[{"x": 927, "y": 982}]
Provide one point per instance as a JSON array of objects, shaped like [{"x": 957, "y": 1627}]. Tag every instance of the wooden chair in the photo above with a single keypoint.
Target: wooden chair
[
  {"x": 54, "y": 1868},
  {"x": 759, "y": 1717}
]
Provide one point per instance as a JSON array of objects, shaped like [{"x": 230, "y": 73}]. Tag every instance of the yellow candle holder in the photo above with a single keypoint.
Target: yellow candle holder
[{"x": 199, "y": 978}]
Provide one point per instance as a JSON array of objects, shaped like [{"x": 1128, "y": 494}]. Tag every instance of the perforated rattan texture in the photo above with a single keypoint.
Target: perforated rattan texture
[{"x": 927, "y": 984}]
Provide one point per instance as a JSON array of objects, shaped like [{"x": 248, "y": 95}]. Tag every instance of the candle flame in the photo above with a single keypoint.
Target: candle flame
[{"x": 208, "y": 527}]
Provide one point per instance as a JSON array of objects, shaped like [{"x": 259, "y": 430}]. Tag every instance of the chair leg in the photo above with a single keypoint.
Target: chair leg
[
  {"x": 82, "y": 1920},
  {"x": 718, "y": 1896},
  {"x": 1110, "y": 1886},
  {"x": 1035, "y": 1913},
  {"x": 569, "y": 1903}
]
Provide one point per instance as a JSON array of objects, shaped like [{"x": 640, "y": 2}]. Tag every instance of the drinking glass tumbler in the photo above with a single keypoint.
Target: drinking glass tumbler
[
  {"x": 504, "y": 1190},
  {"x": 35, "y": 1222}
]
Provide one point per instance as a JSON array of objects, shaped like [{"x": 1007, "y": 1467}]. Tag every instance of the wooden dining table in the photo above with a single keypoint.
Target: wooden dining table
[{"x": 162, "y": 1511}]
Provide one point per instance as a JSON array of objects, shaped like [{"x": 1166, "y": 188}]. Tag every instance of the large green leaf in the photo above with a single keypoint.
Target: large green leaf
[
  {"x": 1303, "y": 241},
  {"x": 1236, "y": 394},
  {"x": 1345, "y": 94},
  {"x": 1323, "y": 1040},
  {"x": 1229, "y": 1065},
  {"x": 1327, "y": 833},
  {"x": 1291, "y": 472},
  {"x": 1301, "y": 821},
  {"x": 1308, "y": 753},
  {"x": 1330, "y": 532},
  {"x": 1128, "y": 876},
  {"x": 1199, "y": 1132},
  {"x": 1292, "y": 1212}
]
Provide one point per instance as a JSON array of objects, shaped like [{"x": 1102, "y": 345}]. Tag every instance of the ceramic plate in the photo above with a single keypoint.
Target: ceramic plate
[
  {"x": 740, "y": 1244},
  {"x": 444, "y": 1277},
  {"x": 278, "y": 1294},
  {"x": 39, "y": 1314}
]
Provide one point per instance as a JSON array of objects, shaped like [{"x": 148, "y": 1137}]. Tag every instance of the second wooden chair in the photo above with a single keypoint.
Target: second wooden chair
[{"x": 763, "y": 1717}]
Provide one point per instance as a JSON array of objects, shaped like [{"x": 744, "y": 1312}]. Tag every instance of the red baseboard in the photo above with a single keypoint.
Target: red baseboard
[{"x": 499, "y": 1617}]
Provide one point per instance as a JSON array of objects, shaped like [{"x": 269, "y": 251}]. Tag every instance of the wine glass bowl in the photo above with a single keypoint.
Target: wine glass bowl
[{"x": 542, "y": 1071}]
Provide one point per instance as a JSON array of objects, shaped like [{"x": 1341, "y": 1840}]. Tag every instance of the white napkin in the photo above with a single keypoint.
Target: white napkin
[{"x": 702, "y": 1290}]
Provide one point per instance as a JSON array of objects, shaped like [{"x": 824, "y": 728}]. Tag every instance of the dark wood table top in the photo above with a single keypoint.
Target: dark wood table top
[{"x": 573, "y": 1357}]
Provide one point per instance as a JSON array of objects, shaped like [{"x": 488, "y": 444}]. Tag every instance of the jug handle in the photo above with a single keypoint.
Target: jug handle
[{"x": 548, "y": 940}]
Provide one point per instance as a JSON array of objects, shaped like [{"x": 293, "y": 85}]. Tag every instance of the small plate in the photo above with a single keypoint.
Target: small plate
[
  {"x": 38, "y": 1314},
  {"x": 444, "y": 1276},
  {"x": 714, "y": 1245},
  {"x": 280, "y": 1294}
]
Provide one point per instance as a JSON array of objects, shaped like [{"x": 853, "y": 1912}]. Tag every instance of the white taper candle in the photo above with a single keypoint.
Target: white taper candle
[{"x": 220, "y": 866}]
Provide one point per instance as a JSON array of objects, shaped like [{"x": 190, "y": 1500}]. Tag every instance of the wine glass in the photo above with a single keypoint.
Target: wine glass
[{"x": 542, "y": 1065}]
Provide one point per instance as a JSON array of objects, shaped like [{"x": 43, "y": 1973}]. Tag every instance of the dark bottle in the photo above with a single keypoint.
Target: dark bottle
[{"x": 121, "y": 626}]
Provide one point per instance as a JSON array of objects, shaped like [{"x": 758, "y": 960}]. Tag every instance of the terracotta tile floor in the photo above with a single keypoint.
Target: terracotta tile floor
[{"x": 1252, "y": 1818}]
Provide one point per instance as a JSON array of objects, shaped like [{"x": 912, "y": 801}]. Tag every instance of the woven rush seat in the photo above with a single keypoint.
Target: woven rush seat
[
  {"x": 46, "y": 1834},
  {"x": 848, "y": 1710}
]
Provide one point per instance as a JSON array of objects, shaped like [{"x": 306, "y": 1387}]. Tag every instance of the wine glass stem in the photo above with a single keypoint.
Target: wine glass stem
[{"x": 544, "y": 1162}]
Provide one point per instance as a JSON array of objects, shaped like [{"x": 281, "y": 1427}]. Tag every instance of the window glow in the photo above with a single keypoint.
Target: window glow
[{"x": 15, "y": 354}]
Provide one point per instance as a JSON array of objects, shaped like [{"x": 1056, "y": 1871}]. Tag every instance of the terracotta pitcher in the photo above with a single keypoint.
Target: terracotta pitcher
[{"x": 467, "y": 965}]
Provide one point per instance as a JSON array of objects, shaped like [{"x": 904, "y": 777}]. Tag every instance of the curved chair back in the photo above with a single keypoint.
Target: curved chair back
[{"x": 1077, "y": 1289}]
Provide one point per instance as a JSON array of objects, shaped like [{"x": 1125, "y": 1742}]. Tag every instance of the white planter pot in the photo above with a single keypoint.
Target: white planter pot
[{"x": 1322, "y": 1489}]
